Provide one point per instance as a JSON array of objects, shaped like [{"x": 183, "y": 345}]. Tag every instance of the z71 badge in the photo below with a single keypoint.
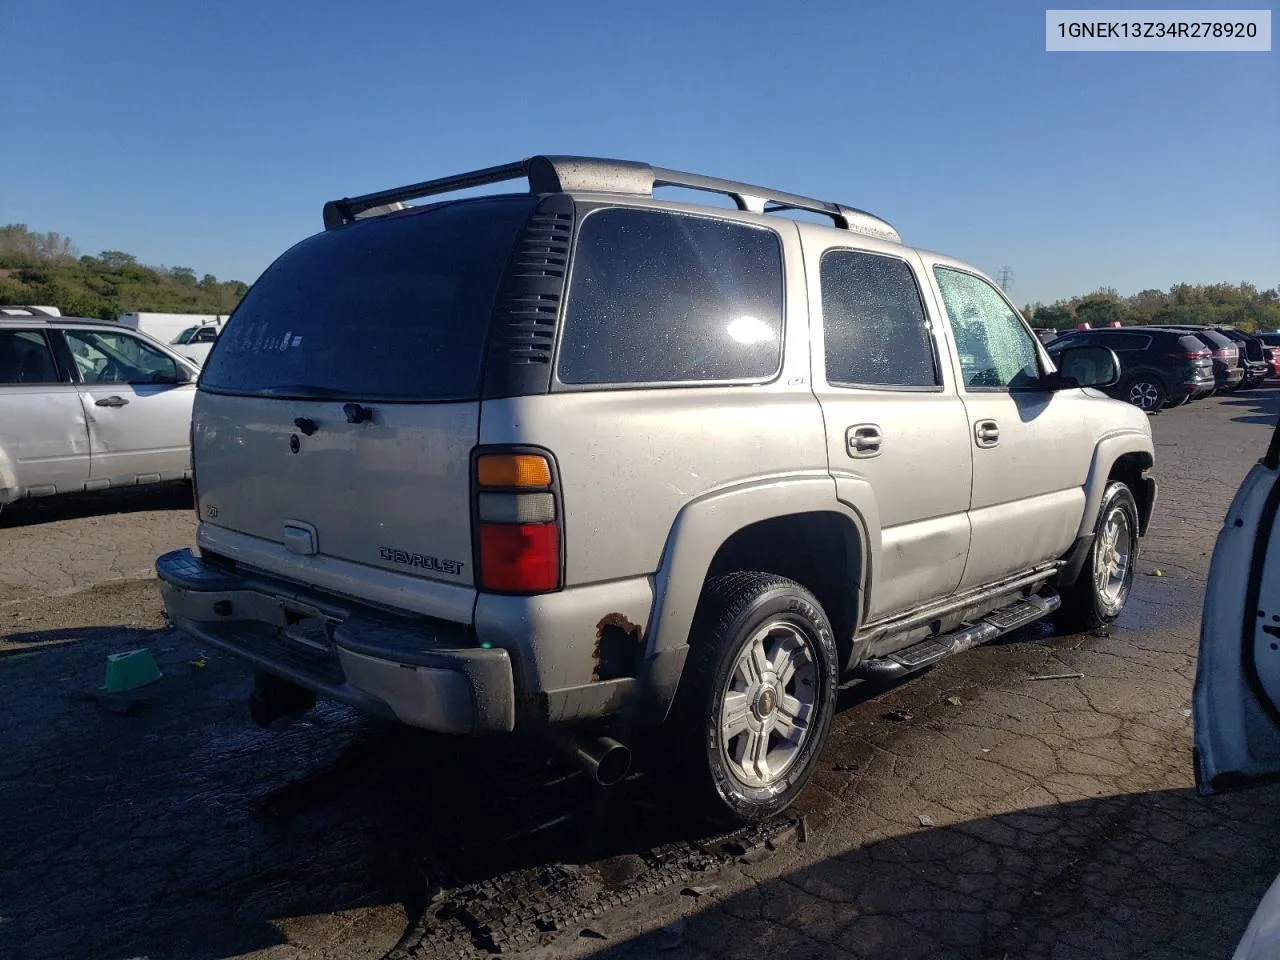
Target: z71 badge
[{"x": 422, "y": 561}]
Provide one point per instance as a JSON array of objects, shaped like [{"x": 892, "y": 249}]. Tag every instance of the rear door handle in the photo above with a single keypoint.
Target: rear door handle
[
  {"x": 863, "y": 440},
  {"x": 110, "y": 402},
  {"x": 986, "y": 433}
]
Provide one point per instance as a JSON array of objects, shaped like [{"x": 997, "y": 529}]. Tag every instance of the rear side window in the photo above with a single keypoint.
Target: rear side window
[
  {"x": 874, "y": 329},
  {"x": 394, "y": 308},
  {"x": 25, "y": 359},
  {"x": 1125, "y": 341},
  {"x": 663, "y": 297}
]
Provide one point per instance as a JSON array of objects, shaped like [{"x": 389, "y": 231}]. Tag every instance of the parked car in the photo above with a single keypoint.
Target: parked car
[
  {"x": 1273, "y": 358},
  {"x": 1257, "y": 366},
  {"x": 1158, "y": 367},
  {"x": 1269, "y": 337},
  {"x": 194, "y": 343},
  {"x": 86, "y": 405},
  {"x": 588, "y": 462},
  {"x": 1237, "y": 688},
  {"x": 1231, "y": 361},
  {"x": 1228, "y": 362}
]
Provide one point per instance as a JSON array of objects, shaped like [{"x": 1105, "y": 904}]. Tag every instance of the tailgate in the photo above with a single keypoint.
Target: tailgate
[{"x": 391, "y": 493}]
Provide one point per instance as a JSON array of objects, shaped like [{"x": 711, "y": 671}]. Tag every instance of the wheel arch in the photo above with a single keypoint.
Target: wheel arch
[
  {"x": 1126, "y": 457},
  {"x": 794, "y": 528}
]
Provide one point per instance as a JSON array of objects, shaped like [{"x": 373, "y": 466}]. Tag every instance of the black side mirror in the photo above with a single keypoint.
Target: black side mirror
[{"x": 1093, "y": 366}]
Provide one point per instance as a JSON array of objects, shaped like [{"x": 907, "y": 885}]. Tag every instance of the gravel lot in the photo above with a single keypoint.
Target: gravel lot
[{"x": 969, "y": 812}]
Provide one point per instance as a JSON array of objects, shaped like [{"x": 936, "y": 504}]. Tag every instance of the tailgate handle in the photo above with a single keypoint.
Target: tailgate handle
[
  {"x": 300, "y": 538},
  {"x": 357, "y": 413}
]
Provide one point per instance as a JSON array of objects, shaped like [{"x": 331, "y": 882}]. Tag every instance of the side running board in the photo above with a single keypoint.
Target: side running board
[{"x": 930, "y": 651}]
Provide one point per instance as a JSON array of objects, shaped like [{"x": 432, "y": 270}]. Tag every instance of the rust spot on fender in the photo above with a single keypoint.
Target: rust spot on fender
[{"x": 619, "y": 644}]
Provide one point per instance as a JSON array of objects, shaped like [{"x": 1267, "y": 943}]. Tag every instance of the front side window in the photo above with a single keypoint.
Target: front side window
[
  {"x": 660, "y": 297},
  {"x": 874, "y": 329},
  {"x": 25, "y": 359},
  {"x": 103, "y": 357},
  {"x": 996, "y": 349}
]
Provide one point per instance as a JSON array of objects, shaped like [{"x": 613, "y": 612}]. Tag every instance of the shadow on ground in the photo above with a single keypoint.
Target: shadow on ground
[
  {"x": 163, "y": 823},
  {"x": 1152, "y": 875},
  {"x": 1263, "y": 404},
  {"x": 73, "y": 506}
]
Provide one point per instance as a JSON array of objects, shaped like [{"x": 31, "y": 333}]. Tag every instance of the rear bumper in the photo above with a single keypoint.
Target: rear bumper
[{"x": 423, "y": 676}]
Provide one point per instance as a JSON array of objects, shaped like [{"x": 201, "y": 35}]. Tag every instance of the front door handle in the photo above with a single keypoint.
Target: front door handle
[
  {"x": 863, "y": 440},
  {"x": 112, "y": 401},
  {"x": 986, "y": 433}
]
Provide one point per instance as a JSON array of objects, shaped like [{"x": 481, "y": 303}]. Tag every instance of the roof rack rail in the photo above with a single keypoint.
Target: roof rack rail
[{"x": 547, "y": 174}]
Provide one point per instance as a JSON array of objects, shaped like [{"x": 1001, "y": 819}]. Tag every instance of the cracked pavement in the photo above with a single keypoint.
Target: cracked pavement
[{"x": 969, "y": 812}]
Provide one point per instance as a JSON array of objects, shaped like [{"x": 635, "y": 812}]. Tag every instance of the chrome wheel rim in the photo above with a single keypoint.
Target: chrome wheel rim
[
  {"x": 1113, "y": 554},
  {"x": 1144, "y": 394},
  {"x": 768, "y": 706}
]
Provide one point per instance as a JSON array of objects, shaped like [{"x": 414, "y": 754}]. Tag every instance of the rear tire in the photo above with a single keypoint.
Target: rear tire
[
  {"x": 1103, "y": 586},
  {"x": 1145, "y": 392},
  {"x": 757, "y": 696}
]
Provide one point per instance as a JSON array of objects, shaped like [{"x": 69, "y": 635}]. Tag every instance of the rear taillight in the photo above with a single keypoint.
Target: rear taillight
[
  {"x": 1226, "y": 353},
  {"x": 1190, "y": 355},
  {"x": 518, "y": 522}
]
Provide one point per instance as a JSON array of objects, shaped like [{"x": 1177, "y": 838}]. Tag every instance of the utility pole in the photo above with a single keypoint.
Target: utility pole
[{"x": 1005, "y": 279}]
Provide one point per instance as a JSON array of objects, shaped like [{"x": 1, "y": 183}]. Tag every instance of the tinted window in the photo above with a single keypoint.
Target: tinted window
[
  {"x": 1124, "y": 341},
  {"x": 25, "y": 358},
  {"x": 873, "y": 324},
  {"x": 118, "y": 358},
  {"x": 394, "y": 308},
  {"x": 1273, "y": 339},
  {"x": 996, "y": 349},
  {"x": 1192, "y": 344},
  {"x": 664, "y": 297}
]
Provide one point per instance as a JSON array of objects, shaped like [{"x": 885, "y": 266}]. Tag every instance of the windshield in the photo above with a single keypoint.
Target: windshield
[{"x": 390, "y": 309}]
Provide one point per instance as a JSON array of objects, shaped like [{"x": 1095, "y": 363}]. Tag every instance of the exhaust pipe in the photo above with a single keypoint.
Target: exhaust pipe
[{"x": 605, "y": 759}]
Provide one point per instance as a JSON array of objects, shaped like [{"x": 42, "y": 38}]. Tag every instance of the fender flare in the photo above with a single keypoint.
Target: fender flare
[
  {"x": 699, "y": 530},
  {"x": 1108, "y": 450}
]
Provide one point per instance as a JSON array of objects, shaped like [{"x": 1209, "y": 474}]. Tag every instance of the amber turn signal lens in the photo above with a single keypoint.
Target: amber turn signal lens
[{"x": 513, "y": 470}]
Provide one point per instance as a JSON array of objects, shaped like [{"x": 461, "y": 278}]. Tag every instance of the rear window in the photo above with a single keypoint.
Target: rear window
[
  {"x": 664, "y": 297},
  {"x": 1192, "y": 344},
  {"x": 389, "y": 309}
]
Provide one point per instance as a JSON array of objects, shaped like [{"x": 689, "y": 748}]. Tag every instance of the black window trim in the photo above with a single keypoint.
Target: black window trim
[
  {"x": 1040, "y": 351},
  {"x": 585, "y": 210},
  {"x": 930, "y": 327},
  {"x": 51, "y": 343}
]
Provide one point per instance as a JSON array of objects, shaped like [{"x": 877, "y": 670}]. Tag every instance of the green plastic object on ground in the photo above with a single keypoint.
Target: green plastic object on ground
[{"x": 130, "y": 669}]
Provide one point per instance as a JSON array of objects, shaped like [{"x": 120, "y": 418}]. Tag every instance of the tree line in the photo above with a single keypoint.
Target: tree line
[
  {"x": 1243, "y": 306},
  {"x": 45, "y": 269}
]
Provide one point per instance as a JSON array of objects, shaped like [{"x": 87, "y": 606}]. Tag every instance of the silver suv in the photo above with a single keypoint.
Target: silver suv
[{"x": 592, "y": 463}]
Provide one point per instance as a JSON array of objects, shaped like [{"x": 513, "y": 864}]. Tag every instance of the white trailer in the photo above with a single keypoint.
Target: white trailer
[{"x": 191, "y": 334}]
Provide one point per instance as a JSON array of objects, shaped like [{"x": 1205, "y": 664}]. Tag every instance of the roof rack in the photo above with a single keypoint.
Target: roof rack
[{"x": 594, "y": 175}]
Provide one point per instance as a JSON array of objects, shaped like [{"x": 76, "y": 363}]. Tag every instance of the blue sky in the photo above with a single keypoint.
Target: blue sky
[{"x": 208, "y": 135}]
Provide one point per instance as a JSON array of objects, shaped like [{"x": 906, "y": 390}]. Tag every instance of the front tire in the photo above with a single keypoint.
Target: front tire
[
  {"x": 1103, "y": 586},
  {"x": 757, "y": 696}
]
